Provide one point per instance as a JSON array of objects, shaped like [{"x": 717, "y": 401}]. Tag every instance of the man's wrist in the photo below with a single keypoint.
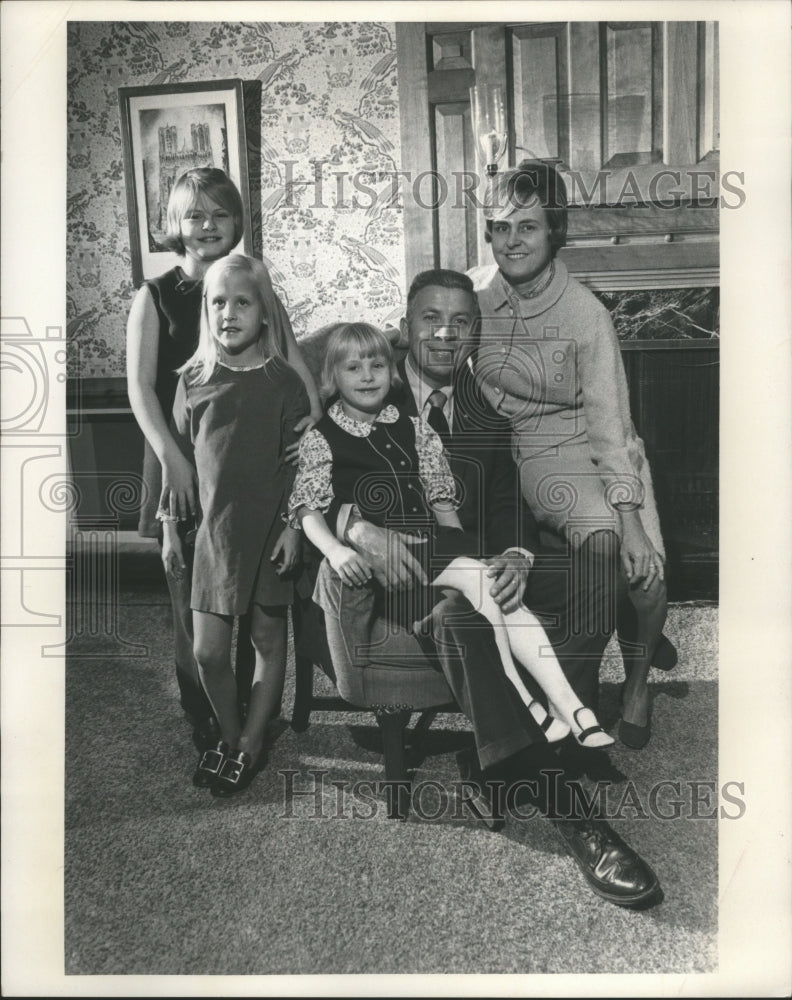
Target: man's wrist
[
  {"x": 345, "y": 514},
  {"x": 352, "y": 525},
  {"x": 515, "y": 550}
]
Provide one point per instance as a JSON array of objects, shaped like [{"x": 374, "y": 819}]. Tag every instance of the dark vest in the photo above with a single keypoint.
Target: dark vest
[{"x": 378, "y": 473}]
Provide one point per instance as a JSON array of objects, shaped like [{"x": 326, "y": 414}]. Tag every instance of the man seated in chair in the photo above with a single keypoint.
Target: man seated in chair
[{"x": 511, "y": 749}]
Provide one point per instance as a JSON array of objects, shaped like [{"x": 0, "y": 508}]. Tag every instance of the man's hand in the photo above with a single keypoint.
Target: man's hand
[
  {"x": 388, "y": 553},
  {"x": 510, "y": 572}
]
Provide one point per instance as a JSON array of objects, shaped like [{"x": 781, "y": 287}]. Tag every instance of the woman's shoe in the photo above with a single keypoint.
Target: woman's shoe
[
  {"x": 210, "y": 765},
  {"x": 238, "y": 770},
  {"x": 665, "y": 655},
  {"x": 591, "y": 737},
  {"x": 633, "y": 736},
  {"x": 553, "y": 728}
]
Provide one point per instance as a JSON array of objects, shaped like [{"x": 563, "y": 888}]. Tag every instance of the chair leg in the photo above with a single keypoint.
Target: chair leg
[
  {"x": 303, "y": 693},
  {"x": 418, "y": 735},
  {"x": 392, "y": 723}
]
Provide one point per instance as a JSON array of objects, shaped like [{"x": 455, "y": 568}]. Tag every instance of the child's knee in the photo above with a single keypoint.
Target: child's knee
[
  {"x": 212, "y": 659},
  {"x": 268, "y": 631},
  {"x": 465, "y": 575}
]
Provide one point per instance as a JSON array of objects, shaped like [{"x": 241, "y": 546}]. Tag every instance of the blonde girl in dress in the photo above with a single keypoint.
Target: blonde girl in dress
[{"x": 237, "y": 405}]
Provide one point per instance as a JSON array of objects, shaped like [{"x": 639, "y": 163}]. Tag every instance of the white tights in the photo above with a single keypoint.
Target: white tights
[{"x": 519, "y": 634}]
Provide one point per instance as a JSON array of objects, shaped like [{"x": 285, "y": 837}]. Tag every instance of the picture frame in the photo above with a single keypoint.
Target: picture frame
[{"x": 166, "y": 130}]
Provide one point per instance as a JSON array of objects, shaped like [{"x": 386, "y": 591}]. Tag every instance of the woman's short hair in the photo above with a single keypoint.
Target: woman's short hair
[
  {"x": 519, "y": 187},
  {"x": 361, "y": 338},
  {"x": 208, "y": 182}
]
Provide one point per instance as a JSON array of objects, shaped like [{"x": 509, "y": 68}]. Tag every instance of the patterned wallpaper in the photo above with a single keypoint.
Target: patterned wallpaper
[{"x": 328, "y": 94}]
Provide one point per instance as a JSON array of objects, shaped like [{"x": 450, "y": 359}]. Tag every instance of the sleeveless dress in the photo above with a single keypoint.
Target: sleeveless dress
[{"x": 177, "y": 299}]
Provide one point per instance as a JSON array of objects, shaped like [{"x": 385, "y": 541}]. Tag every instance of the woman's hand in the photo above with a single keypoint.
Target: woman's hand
[
  {"x": 640, "y": 559},
  {"x": 286, "y": 554},
  {"x": 178, "y": 486},
  {"x": 292, "y": 453},
  {"x": 351, "y": 567},
  {"x": 172, "y": 552}
]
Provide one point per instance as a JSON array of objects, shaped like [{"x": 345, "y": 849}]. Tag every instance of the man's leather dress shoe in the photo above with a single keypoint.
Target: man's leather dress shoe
[{"x": 612, "y": 869}]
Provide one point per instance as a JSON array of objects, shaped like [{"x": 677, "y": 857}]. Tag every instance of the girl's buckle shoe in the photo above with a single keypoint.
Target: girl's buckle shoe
[
  {"x": 210, "y": 765},
  {"x": 235, "y": 774}
]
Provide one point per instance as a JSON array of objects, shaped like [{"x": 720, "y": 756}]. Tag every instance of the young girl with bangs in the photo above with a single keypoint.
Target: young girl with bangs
[
  {"x": 393, "y": 467},
  {"x": 204, "y": 223},
  {"x": 236, "y": 408}
]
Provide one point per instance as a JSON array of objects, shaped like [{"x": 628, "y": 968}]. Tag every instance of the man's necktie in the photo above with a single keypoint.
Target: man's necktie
[{"x": 435, "y": 417}]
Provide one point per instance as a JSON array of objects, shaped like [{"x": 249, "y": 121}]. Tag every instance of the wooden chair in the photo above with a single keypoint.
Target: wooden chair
[{"x": 399, "y": 681}]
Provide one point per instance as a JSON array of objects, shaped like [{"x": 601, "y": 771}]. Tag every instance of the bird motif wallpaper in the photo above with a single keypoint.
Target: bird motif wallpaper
[
  {"x": 326, "y": 220},
  {"x": 330, "y": 230}
]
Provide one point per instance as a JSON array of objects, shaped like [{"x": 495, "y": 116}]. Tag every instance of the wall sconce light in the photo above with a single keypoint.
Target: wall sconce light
[{"x": 488, "y": 110}]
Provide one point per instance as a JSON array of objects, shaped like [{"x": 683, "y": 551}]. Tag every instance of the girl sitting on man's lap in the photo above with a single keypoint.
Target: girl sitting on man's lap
[{"x": 394, "y": 468}]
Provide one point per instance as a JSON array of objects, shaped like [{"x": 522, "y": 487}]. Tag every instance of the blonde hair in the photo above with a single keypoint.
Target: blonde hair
[
  {"x": 187, "y": 191},
  {"x": 201, "y": 365},
  {"x": 365, "y": 340}
]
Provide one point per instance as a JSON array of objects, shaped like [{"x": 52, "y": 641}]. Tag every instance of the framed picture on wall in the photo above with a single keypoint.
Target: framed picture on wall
[{"x": 166, "y": 130}]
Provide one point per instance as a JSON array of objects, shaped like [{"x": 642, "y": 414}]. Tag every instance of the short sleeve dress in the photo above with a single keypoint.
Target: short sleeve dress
[
  {"x": 552, "y": 365},
  {"x": 177, "y": 300},
  {"x": 236, "y": 428}
]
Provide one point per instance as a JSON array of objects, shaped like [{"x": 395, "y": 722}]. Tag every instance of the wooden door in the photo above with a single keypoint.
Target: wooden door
[{"x": 627, "y": 109}]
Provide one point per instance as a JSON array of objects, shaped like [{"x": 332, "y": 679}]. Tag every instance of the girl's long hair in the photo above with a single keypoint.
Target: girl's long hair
[
  {"x": 201, "y": 365},
  {"x": 364, "y": 339}
]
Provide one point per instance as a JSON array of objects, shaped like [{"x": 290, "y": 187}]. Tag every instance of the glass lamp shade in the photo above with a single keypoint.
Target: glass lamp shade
[{"x": 488, "y": 110}]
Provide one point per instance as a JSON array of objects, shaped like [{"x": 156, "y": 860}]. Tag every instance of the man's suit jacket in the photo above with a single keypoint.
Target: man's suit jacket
[
  {"x": 558, "y": 590},
  {"x": 479, "y": 449}
]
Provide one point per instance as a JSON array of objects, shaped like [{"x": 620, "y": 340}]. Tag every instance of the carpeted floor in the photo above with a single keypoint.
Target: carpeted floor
[{"x": 163, "y": 879}]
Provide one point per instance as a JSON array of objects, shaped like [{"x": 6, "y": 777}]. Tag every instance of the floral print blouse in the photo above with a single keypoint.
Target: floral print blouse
[{"x": 313, "y": 486}]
